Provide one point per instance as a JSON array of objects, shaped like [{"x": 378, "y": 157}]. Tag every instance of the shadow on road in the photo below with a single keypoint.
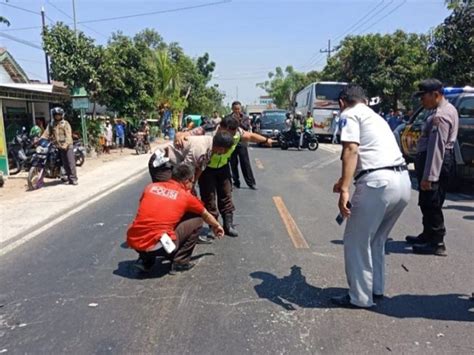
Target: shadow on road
[
  {"x": 471, "y": 218},
  {"x": 459, "y": 208},
  {"x": 293, "y": 290},
  {"x": 127, "y": 269}
]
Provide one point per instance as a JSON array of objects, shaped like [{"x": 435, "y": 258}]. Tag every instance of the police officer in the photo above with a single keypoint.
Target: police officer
[
  {"x": 60, "y": 133},
  {"x": 370, "y": 156},
  {"x": 434, "y": 165},
  {"x": 241, "y": 152}
]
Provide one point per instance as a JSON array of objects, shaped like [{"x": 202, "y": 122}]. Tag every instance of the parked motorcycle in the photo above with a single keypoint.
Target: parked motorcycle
[
  {"x": 46, "y": 163},
  {"x": 79, "y": 153},
  {"x": 288, "y": 139},
  {"x": 20, "y": 151}
]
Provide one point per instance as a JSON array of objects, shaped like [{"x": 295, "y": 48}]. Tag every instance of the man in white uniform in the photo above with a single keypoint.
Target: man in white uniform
[{"x": 370, "y": 156}]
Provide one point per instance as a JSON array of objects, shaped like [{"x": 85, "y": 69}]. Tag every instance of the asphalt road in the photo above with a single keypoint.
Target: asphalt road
[{"x": 74, "y": 289}]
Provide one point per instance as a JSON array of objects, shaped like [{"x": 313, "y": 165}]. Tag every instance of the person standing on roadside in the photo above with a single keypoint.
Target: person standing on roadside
[
  {"x": 371, "y": 157},
  {"x": 119, "y": 134},
  {"x": 60, "y": 133},
  {"x": 109, "y": 136},
  {"x": 241, "y": 152},
  {"x": 434, "y": 166}
]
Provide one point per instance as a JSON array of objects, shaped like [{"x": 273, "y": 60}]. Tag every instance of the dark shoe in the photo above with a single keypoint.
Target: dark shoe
[
  {"x": 253, "y": 187},
  {"x": 237, "y": 185},
  {"x": 343, "y": 301},
  {"x": 377, "y": 297},
  {"x": 438, "y": 249},
  {"x": 73, "y": 182},
  {"x": 420, "y": 239},
  {"x": 145, "y": 265},
  {"x": 203, "y": 239},
  {"x": 177, "y": 267},
  {"x": 229, "y": 225}
]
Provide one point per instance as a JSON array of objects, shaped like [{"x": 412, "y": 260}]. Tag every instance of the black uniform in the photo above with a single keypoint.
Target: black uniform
[{"x": 241, "y": 154}]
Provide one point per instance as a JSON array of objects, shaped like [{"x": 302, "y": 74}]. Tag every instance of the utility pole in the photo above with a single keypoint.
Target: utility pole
[
  {"x": 329, "y": 50},
  {"x": 45, "y": 53},
  {"x": 74, "y": 16}
]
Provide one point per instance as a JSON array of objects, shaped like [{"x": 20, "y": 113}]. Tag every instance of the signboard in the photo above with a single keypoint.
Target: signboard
[
  {"x": 3, "y": 145},
  {"x": 80, "y": 103}
]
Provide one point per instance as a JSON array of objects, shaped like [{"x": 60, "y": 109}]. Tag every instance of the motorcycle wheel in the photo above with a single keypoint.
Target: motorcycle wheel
[
  {"x": 79, "y": 159},
  {"x": 35, "y": 178},
  {"x": 283, "y": 145},
  {"x": 14, "y": 166},
  {"x": 313, "y": 145}
]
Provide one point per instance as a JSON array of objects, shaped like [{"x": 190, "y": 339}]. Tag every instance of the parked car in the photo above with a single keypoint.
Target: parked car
[
  {"x": 463, "y": 100},
  {"x": 271, "y": 123}
]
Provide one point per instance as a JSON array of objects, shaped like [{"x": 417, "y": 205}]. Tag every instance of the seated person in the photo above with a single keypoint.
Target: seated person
[
  {"x": 196, "y": 151},
  {"x": 169, "y": 207}
]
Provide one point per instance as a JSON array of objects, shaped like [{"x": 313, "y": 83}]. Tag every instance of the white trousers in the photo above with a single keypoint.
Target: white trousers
[{"x": 379, "y": 199}]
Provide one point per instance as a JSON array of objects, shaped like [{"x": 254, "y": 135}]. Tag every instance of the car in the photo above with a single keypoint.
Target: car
[
  {"x": 463, "y": 100},
  {"x": 271, "y": 123}
]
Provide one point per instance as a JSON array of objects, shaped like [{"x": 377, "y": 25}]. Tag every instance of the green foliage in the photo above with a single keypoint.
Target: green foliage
[
  {"x": 5, "y": 21},
  {"x": 74, "y": 60},
  {"x": 385, "y": 65},
  {"x": 452, "y": 48},
  {"x": 283, "y": 86}
]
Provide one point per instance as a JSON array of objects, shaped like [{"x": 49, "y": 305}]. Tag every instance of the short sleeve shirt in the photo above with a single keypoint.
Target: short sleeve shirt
[
  {"x": 377, "y": 145},
  {"x": 161, "y": 208}
]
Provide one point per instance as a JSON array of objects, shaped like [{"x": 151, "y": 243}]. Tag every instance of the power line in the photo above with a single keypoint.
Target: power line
[
  {"x": 391, "y": 12},
  {"x": 70, "y": 17},
  {"x": 156, "y": 12},
  {"x": 25, "y": 10},
  {"x": 373, "y": 15},
  {"x": 22, "y": 41},
  {"x": 21, "y": 28}
]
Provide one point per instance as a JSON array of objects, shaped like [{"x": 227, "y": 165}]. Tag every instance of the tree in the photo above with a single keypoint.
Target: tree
[
  {"x": 5, "y": 21},
  {"x": 150, "y": 38},
  {"x": 389, "y": 65},
  {"x": 128, "y": 76},
  {"x": 74, "y": 59},
  {"x": 452, "y": 46},
  {"x": 282, "y": 86}
]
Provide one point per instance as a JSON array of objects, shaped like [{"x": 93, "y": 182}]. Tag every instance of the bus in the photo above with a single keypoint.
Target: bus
[{"x": 321, "y": 99}]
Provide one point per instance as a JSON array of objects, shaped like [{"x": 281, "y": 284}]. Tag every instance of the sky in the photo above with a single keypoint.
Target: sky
[{"x": 245, "y": 38}]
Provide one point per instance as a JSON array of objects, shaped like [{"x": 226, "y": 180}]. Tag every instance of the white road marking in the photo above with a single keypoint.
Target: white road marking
[
  {"x": 331, "y": 148},
  {"x": 8, "y": 248}
]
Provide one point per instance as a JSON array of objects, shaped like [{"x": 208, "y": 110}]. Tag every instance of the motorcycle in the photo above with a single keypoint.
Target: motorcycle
[
  {"x": 288, "y": 139},
  {"x": 20, "y": 151},
  {"x": 45, "y": 163},
  {"x": 141, "y": 146},
  {"x": 79, "y": 153}
]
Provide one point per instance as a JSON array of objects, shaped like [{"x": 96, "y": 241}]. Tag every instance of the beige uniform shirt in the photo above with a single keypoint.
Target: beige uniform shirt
[{"x": 60, "y": 133}]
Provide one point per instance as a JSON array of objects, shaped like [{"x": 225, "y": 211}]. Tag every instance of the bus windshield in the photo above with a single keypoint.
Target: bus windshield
[{"x": 328, "y": 94}]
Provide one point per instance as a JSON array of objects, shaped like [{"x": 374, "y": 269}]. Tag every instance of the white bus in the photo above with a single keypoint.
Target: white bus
[{"x": 321, "y": 99}]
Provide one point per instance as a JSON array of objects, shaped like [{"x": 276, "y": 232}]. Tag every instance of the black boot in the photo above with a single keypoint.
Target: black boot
[{"x": 229, "y": 226}]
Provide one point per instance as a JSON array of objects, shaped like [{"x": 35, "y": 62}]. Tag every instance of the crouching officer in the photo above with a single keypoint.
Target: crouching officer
[
  {"x": 434, "y": 166},
  {"x": 370, "y": 156},
  {"x": 60, "y": 133}
]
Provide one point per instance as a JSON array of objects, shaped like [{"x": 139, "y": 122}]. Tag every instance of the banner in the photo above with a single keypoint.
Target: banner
[{"x": 3, "y": 144}]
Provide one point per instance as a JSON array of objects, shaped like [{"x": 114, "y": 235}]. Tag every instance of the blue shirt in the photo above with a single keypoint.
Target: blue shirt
[{"x": 119, "y": 130}]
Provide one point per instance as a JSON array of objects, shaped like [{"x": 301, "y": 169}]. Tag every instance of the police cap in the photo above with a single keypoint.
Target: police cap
[{"x": 429, "y": 85}]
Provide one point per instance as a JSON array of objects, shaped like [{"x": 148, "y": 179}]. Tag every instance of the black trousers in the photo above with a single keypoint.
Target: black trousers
[
  {"x": 431, "y": 202},
  {"x": 241, "y": 153},
  {"x": 69, "y": 162},
  {"x": 187, "y": 233},
  {"x": 215, "y": 184}
]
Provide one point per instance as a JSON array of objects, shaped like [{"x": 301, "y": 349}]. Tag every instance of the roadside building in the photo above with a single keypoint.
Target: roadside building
[{"x": 22, "y": 101}]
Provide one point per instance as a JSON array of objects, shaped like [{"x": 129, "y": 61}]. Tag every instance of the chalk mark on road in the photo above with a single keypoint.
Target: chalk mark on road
[
  {"x": 293, "y": 231},
  {"x": 259, "y": 163}
]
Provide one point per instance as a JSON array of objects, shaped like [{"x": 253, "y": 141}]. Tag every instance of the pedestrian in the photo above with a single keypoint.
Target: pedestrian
[
  {"x": 216, "y": 119},
  {"x": 60, "y": 133},
  {"x": 215, "y": 182},
  {"x": 434, "y": 166},
  {"x": 371, "y": 157},
  {"x": 241, "y": 152},
  {"x": 119, "y": 134},
  {"x": 196, "y": 151},
  {"x": 169, "y": 210},
  {"x": 109, "y": 136}
]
